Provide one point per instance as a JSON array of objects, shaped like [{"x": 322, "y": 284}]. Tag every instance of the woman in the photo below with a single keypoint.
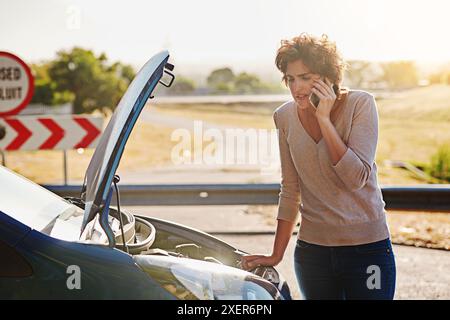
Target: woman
[{"x": 327, "y": 153}]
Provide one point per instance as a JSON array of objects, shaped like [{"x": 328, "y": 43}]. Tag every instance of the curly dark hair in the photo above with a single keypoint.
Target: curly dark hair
[{"x": 318, "y": 54}]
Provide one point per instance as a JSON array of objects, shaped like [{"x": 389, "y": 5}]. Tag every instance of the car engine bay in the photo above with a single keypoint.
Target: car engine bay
[{"x": 151, "y": 236}]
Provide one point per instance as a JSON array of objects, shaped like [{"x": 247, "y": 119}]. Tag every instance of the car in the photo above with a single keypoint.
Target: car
[{"x": 54, "y": 247}]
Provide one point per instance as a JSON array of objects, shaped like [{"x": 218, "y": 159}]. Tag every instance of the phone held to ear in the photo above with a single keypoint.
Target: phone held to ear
[{"x": 314, "y": 99}]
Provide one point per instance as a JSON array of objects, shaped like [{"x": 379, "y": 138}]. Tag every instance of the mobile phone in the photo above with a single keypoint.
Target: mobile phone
[{"x": 314, "y": 99}]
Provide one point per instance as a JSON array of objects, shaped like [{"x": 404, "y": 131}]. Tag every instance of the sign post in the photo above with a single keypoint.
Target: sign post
[
  {"x": 51, "y": 132},
  {"x": 43, "y": 132}
]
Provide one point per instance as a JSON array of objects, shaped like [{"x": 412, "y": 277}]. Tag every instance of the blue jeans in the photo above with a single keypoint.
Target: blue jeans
[{"x": 364, "y": 271}]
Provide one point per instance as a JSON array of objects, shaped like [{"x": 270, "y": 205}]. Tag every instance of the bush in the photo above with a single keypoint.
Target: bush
[
  {"x": 440, "y": 163},
  {"x": 442, "y": 77}
]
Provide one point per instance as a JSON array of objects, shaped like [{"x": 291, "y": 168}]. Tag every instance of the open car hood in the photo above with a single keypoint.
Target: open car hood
[{"x": 105, "y": 161}]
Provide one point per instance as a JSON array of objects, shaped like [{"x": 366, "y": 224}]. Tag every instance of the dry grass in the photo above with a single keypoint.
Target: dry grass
[
  {"x": 240, "y": 116},
  {"x": 422, "y": 104},
  {"x": 413, "y": 124},
  {"x": 147, "y": 146},
  {"x": 47, "y": 166}
]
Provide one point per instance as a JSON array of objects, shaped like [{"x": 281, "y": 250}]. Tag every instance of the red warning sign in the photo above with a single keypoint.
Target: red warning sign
[{"x": 16, "y": 84}]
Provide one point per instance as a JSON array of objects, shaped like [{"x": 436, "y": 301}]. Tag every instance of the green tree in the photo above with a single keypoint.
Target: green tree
[
  {"x": 400, "y": 74},
  {"x": 225, "y": 81},
  {"x": 45, "y": 90},
  {"x": 224, "y": 88},
  {"x": 359, "y": 72},
  {"x": 248, "y": 83},
  {"x": 442, "y": 77},
  {"x": 221, "y": 80},
  {"x": 124, "y": 71},
  {"x": 94, "y": 83},
  {"x": 182, "y": 85}
]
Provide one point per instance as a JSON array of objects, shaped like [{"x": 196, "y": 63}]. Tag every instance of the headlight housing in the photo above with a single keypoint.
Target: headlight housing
[{"x": 194, "y": 279}]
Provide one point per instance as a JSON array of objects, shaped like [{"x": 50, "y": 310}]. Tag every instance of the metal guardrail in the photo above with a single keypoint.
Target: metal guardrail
[{"x": 420, "y": 197}]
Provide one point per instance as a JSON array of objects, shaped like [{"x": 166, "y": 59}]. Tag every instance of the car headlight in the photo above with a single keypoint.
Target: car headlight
[{"x": 194, "y": 279}]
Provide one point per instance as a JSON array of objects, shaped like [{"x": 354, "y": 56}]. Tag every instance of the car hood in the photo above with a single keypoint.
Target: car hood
[{"x": 105, "y": 161}]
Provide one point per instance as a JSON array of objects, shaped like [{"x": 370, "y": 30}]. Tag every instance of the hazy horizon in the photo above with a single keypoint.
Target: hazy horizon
[{"x": 204, "y": 35}]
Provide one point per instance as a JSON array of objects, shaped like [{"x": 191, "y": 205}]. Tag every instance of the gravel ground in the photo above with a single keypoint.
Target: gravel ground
[
  {"x": 420, "y": 229},
  {"x": 415, "y": 228},
  {"x": 421, "y": 273}
]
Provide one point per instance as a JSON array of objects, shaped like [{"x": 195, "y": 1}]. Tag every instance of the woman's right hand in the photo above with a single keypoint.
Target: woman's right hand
[{"x": 253, "y": 261}]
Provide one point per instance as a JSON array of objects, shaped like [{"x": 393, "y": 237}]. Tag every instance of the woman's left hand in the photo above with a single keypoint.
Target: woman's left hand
[
  {"x": 253, "y": 261},
  {"x": 325, "y": 92}
]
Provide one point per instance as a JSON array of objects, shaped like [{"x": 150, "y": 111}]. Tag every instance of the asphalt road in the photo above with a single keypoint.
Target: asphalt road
[{"x": 421, "y": 273}]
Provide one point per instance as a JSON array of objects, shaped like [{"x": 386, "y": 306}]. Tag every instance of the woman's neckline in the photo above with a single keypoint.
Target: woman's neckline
[{"x": 343, "y": 98}]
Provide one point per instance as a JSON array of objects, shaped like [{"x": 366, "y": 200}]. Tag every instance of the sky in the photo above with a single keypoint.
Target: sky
[{"x": 243, "y": 34}]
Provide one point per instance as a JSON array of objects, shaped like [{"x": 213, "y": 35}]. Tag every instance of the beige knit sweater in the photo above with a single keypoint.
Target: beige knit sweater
[{"x": 341, "y": 204}]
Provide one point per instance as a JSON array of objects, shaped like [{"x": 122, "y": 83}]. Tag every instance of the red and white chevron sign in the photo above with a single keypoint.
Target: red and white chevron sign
[{"x": 50, "y": 132}]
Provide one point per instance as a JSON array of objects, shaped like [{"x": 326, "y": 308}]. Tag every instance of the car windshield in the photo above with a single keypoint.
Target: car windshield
[{"x": 40, "y": 209}]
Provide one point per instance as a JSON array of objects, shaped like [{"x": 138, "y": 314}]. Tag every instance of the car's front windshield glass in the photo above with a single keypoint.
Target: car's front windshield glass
[{"x": 38, "y": 208}]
